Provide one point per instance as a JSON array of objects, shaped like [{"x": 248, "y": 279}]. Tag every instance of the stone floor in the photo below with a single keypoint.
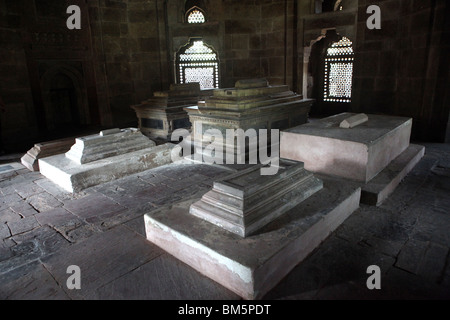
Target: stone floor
[{"x": 44, "y": 229}]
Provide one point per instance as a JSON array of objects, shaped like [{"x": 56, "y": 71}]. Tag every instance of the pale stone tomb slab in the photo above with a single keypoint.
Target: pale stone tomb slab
[
  {"x": 359, "y": 153},
  {"x": 103, "y": 157},
  {"x": 251, "y": 266},
  {"x": 361, "y": 150}
]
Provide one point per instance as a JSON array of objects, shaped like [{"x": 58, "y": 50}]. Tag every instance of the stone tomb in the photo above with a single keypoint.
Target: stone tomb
[
  {"x": 245, "y": 202},
  {"x": 160, "y": 115},
  {"x": 236, "y": 236},
  {"x": 374, "y": 151},
  {"x": 103, "y": 157},
  {"x": 251, "y": 104},
  {"x": 45, "y": 149}
]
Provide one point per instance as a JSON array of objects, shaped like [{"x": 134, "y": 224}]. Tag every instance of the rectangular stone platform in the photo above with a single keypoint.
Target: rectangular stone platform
[
  {"x": 103, "y": 157},
  {"x": 358, "y": 153},
  {"x": 384, "y": 183},
  {"x": 73, "y": 177},
  {"x": 252, "y": 266},
  {"x": 108, "y": 143}
]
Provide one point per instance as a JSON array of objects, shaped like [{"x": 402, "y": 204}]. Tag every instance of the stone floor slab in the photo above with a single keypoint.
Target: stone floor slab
[
  {"x": 9, "y": 169},
  {"x": 164, "y": 278},
  {"x": 411, "y": 255},
  {"x": 24, "y": 209},
  {"x": 87, "y": 207},
  {"x": 23, "y": 225},
  {"x": 7, "y": 215},
  {"x": 102, "y": 258},
  {"x": 30, "y": 282},
  {"x": 4, "y": 231},
  {"x": 45, "y": 238},
  {"x": 44, "y": 201},
  {"x": 56, "y": 217}
]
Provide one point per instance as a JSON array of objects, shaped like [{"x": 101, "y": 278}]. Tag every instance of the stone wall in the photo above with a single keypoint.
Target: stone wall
[
  {"x": 400, "y": 69},
  {"x": 37, "y": 49},
  {"x": 126, "y": 51},
  {"x": 253, "y": 38},
  {"x": 126, "y": 39},
  {"x": 403, "y": 68},
  {"x": 19, "y": 121},
  {"x": 259, "y": 40}
]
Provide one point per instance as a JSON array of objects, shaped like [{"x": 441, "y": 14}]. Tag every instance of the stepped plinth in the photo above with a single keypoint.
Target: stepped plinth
[
  {"x": 251, "y": 104},
  {"x": 103, "y": 157},
  {"x": 43, "y": 150},
  {"x": 245, "y": 202}
]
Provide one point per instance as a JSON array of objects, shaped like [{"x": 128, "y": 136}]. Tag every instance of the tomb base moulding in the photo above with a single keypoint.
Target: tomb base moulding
[
  {"x": 103, "y": 157},
  {"x": 45, "y": 149},
  {"x": 252, "y": 104}
]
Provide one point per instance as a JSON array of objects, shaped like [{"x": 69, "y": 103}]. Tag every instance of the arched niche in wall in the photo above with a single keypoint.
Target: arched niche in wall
[
  {"x": 328, "y": 72},
  {"x": 65, "y": 100},
  {"x": 179, "y": 31}
]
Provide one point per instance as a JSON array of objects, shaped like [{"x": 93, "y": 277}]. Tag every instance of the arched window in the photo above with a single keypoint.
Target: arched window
[
  {"x": 339, "y": 72},
  {"x": 195, "y": 15},
  {"x": 198, "y": 62}
]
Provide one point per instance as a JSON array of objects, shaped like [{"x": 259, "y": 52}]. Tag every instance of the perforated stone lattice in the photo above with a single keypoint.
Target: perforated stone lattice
[
  {"x": 199, "y": 63},
  {"x": 196, "y": 16},
  {"x": 339, "y": 72}
]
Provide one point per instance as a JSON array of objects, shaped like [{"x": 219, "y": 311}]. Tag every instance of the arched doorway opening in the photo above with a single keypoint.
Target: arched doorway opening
[
  {"x": 66, "y": 108},
  {"x": 62, "y": 111}
]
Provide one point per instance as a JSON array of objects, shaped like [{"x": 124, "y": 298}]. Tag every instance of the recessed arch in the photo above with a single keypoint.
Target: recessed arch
[{"x": 62, "y": 81}]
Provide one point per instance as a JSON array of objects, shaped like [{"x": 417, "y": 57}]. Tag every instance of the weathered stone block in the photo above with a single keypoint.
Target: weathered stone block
[
  {"x": 358, "y": 154},
  {"x": 73, "y": 177},
  {"x": 353, "y": 121},
  {"x": 103, "y": 157},
  {"x": 251, "y": 104},
  {"x": 107, "y": 144},
  {"x": 45, "y": 149}
]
